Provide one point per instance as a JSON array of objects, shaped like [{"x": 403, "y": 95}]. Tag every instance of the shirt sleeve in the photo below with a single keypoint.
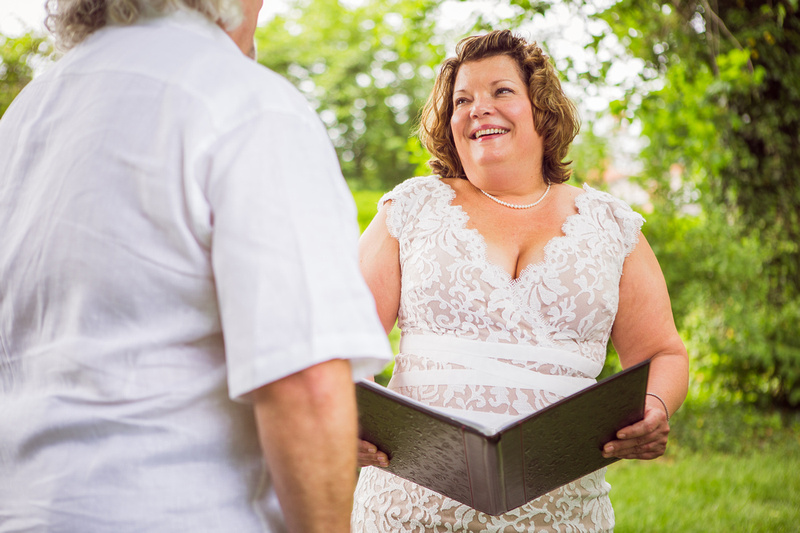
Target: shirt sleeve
[{"x": 284, "y": 254}]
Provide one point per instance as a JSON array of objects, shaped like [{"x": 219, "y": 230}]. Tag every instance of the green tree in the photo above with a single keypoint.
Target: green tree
[
  {"x": 367, "y": 69},
  {"x": 18, "y": 58},
  {"x": 744, "y": 59},
  {"x": 722, "y": 130}
]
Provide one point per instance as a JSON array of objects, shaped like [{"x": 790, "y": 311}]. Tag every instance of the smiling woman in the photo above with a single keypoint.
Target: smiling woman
[
  {"x": 498, "y": 252},
  {"x": 554, "y": 114},
  {"x": 493, "y": 121}
]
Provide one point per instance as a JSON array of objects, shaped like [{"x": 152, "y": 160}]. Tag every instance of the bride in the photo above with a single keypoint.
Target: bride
[{"x": 496, "y": 251}]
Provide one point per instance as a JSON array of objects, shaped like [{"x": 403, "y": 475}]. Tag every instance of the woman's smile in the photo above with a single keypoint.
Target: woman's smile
[{"x": 488, "y": 132}]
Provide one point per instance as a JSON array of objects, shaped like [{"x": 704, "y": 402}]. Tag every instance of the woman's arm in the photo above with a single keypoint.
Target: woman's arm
[
  {"x": 379, "y": 255},
  {"x": 645, "y": 329}
]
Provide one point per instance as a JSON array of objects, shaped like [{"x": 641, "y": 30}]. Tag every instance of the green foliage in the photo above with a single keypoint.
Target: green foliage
[
  {"x": 741, "y": 347},
  {"x": 590, "y": 158},
  {"x": 18, "y": 57},
  {"x": 367, "y": 206},
  {"x": 367, "y": 69},
  {"x": 711, "y": 426},
  {"x": 719, "y": 102}
]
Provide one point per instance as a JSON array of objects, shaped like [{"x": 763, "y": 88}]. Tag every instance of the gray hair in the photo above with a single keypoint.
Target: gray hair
[{"x": 71, "y": 21}]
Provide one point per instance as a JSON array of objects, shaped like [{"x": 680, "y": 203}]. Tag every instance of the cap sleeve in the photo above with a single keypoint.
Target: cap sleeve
[
  {"x": 630, "y": 224},
  {"x": 406, "y": 200},
  {"x": 626, "y": 222}
]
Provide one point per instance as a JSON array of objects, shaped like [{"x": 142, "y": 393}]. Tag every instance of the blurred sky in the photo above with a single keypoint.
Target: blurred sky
[{"x": 18, "y": 16}]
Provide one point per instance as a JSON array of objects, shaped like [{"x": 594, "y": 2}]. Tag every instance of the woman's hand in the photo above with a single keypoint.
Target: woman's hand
[
  {"x": 368, "y": 455},
  {"x": 646, "y": 439}
]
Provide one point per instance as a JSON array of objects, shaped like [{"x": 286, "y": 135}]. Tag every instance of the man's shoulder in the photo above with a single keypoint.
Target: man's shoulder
[
  {"x": 244, "y": 88},
  {"x": 188, "y": 55},
  {"x": 212, "y": 67}
]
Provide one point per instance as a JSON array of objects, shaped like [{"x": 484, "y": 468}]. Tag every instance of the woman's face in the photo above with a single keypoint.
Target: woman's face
[{"x": 492, "y": 120}]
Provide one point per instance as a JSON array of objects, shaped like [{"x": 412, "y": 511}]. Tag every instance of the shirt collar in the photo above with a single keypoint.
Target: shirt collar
[{"x": 196, "y": 22}]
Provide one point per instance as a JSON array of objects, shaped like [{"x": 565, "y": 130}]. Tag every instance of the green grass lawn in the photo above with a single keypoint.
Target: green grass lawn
[{"x": 691, "y": 490}]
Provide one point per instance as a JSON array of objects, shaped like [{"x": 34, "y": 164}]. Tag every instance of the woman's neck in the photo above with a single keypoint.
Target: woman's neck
[{"x": 509, "y": 183}]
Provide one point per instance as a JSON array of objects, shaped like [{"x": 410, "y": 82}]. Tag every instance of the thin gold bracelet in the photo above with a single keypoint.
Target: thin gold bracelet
[{"x": 657, "y": 397}]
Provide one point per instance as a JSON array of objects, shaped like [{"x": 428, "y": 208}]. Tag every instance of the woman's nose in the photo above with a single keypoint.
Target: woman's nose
[{"x": 480, "y": 107}]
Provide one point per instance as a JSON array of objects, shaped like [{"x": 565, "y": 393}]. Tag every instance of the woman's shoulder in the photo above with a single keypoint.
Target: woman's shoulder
[
  {"x": 588, "y": 196},
  {"x": 414, "y": 198},
  {"x": 603, "y": 207},
  {"x": 416, "y": 189}
]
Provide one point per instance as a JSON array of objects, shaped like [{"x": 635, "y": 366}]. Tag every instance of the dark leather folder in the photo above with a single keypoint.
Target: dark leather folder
[{"x": 495, "y": 470}]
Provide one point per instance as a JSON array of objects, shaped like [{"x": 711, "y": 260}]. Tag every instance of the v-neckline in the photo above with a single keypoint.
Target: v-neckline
[{"x": 507, "y": 278}]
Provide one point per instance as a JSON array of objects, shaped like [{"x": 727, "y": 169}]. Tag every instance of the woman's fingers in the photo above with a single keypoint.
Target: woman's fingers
[
  {"x": 647, "y": 439},
  {"x": 368, "y": 455}
]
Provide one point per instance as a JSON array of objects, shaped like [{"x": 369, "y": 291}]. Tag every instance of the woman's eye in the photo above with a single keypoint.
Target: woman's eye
[
  {"x": 504, "y": 90},
  {"x": 459, "y": 101}
]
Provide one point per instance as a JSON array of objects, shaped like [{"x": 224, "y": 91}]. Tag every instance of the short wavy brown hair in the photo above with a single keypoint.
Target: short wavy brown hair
[
  {"x": 71, "y": 21},
  {"x": 554, "y": 115}
]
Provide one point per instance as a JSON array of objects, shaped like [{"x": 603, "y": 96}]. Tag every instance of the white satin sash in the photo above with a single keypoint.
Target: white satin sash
[{"x": 482, "y": 365}]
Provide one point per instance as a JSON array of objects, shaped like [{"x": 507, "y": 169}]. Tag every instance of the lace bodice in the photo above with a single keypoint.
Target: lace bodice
[{"x": 567, "y": 301}]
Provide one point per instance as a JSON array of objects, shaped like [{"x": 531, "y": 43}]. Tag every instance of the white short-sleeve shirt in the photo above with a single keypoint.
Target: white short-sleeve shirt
[{"x": 174, "y": 233}]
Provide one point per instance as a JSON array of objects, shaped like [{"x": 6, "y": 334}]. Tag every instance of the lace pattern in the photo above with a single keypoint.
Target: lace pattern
[{"x": 567, "y": 301}]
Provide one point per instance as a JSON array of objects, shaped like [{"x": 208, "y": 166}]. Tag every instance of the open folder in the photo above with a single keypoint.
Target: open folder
[{"x": 496, "y": 469}]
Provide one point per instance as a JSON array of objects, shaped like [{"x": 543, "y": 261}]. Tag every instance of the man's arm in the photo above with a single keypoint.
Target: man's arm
[{"x": 307, "y": 426}]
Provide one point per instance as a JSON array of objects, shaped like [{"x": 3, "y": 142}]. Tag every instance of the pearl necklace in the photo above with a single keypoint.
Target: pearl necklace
[{"x": 517, "y": 206}]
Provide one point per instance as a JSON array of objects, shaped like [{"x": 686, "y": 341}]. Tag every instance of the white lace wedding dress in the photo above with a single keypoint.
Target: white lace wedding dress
[{"x": 548, "y": 331}]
